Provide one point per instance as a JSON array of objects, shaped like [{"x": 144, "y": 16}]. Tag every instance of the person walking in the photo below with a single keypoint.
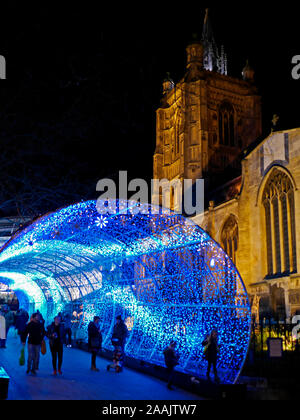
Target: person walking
[
  {"x": 60, "y": 315},
  {"x": 35, "y": 333},
  {"x": 2, "y": 330},
  {"x": 68, "y": 330},
  {"x": 94, "y": 341},
  {"x": 22, "y": 318},
  {"x": 171, "y": 361},
  {"x": 56, "y": 335},
  {"x": 211, "y": 350}
]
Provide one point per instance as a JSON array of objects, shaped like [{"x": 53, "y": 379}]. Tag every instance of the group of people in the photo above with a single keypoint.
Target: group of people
[
  {"x": 210, "y": 352},
  {"x": 10, "y": 319},
  {"x": 118, "y": 340},
  {"x": 60, "y": 333}
]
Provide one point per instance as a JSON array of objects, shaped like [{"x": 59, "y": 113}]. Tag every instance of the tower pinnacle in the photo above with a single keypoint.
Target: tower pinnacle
[{"x": 213, "y": 60}]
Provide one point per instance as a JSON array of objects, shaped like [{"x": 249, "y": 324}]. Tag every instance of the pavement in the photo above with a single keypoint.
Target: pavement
[{"x": 78, "y": 382}]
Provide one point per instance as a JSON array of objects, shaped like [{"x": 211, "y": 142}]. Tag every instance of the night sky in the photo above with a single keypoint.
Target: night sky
[{"x": 83, "y": 85}]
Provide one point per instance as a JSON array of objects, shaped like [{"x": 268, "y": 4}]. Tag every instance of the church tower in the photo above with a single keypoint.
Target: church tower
[{"x": 207, "y": 119}]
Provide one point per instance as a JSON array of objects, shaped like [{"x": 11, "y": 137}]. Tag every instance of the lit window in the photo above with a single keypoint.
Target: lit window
[
  {"x": 230, "y": 237},
  {"x": 279, "y": 206},
  {"x": 226, "y": 125}
]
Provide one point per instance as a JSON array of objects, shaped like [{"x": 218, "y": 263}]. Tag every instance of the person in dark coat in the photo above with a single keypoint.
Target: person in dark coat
[
  {"x": 22, "y": 318},
  {"x": 118, "y": 339},
  {"x": 41, "y": 319},
  {"x": 120, "y": 333},
  {"x": 35, "y": 332},
  {"x": 211, "y": 353},
  {"x": 94, "y": 341},
  {"x": 56, "y": 335},
  {"x": 68, "y": 330},
  {"x": 171, "y": 361}
]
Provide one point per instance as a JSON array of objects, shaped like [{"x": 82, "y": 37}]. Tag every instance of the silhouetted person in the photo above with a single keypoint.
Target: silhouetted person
[
  {"x": 41, "y": 319},
  {"x": 35, "y": 332},
  {"x": 68, "y": 330},
  {"x": 95, "y": 341},
  {"x": 119, "y": 336},
  {"x": 22, "y": 318},
  {"x": 56, "y": 335},
  {"x": 120, "y": 333},
  {"x": 211, "y": 353},
  {"x": 171, "y": 361}
]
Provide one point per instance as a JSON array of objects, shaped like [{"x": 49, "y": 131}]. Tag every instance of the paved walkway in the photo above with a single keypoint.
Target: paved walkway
[{"x": 78, "y": 381}]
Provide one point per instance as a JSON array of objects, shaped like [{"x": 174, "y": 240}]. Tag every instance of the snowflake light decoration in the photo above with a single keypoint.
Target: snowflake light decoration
[{"x": 101, "y": 222}]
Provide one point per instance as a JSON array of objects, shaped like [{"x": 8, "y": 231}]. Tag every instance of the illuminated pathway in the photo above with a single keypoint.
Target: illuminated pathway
[{"x": 78, "y": 382}]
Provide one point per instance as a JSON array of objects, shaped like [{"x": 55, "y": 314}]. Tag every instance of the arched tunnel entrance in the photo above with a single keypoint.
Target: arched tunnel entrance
[{"x": 161, "y": 272}]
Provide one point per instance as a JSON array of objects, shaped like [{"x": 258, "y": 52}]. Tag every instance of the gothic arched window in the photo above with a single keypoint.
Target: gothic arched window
[
  {"x": 279, "y": 207},
  {"x": 230, "y": 237},
  {"x": 178, "y": 132},
  {"x": 226, "y": 125}
]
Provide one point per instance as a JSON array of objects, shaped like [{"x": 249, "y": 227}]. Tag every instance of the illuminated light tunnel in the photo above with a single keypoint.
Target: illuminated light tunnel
[{"x": 160, "y": 271}]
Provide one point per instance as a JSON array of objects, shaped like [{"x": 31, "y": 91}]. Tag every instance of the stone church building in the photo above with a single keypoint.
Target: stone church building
[{"x": 209, "y": 126}]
